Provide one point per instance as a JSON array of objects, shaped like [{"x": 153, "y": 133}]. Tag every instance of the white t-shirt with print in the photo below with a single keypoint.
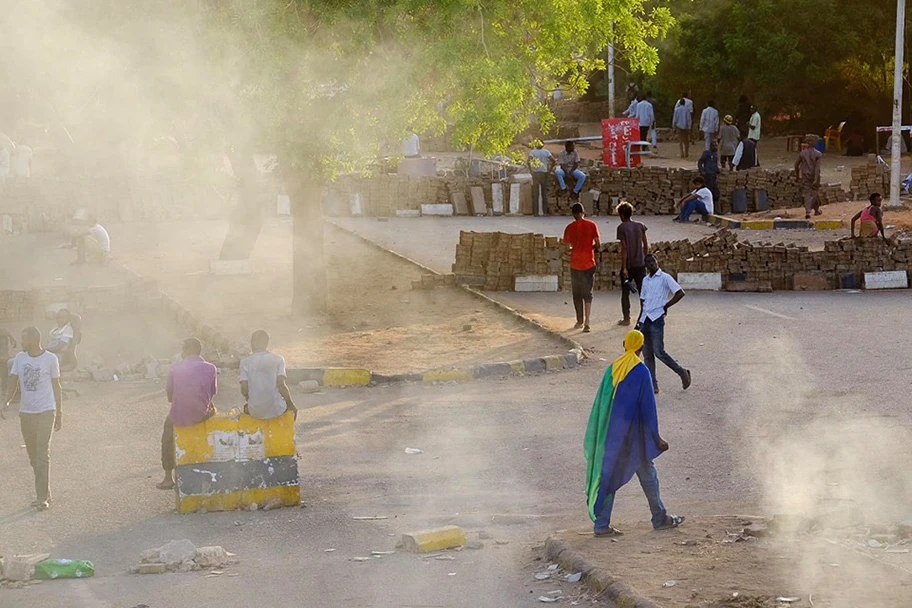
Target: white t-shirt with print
[
  {"x": 35, "y": 387},
  {"x": 260, "y": 371}
]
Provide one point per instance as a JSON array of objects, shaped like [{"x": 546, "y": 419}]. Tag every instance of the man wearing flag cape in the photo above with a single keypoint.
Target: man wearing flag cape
[{"x": 622, "y": 439}]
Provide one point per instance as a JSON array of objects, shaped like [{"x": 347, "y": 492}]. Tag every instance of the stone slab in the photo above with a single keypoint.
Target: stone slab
[
  {"x": 439, "y": 209},
  {"x": 700, "y": 281},
  {"x": 888, "y": 279}
]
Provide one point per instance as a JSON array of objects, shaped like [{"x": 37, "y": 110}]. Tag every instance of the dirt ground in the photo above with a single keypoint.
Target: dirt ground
[
  {"x": 709, "y": 563},
  {"x": 375, "y": 319}
]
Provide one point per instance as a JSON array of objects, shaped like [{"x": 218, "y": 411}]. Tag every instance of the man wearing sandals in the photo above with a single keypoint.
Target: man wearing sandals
[
  {"x": 623, "y": 439},
  {"x": 192, "y": 385}
]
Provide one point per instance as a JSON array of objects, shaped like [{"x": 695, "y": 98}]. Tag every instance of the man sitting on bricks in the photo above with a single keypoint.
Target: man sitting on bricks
[{"x": 263, "y": 381}]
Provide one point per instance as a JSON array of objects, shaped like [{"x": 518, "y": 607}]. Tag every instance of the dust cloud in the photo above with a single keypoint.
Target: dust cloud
[{"x": 833, "y": 470}]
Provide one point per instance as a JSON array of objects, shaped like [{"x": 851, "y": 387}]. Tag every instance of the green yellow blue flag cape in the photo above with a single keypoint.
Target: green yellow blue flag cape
[{"x": 623, "y": 427}]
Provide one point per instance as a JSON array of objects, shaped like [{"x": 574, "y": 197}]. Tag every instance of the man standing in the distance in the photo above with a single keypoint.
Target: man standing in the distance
[
  {"x": 539, "y": 163},
  {"x": 645, "y": 113},
  {"x": 634, "y": 247},
  {"x": 582, "y": 237},
  {"x": 681, "y": 123},
  {"x": 709, "y": 124},
  {"x": 708, "y": 167},
  {"x": 807, "y": 167},
  {"x": 753, "y": 125},
  {"x": 36, "y": 376},
  {"x": 660, "y": 292}
]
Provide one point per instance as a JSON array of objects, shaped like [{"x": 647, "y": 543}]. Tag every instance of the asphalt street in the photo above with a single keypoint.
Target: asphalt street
[{"x": 798, "y": 399}]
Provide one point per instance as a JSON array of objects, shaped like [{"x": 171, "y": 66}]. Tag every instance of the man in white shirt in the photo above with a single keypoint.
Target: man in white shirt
[
  {"x": 646, "y": 115},
  {"x": 263, "y": 381},
  {"x": 681, "y": 123},
  {"x": 411, "y": 146},
  {"x": 631, "y": 110},
  {"x": 35, "y": 375},
  {"x": 660, "y": 292},
  {"x": 709, "y": 123},
  {"x": 753, "y": 126},
  {"x": 94, "y": 243},
  {"x": 700, "y": 200}
]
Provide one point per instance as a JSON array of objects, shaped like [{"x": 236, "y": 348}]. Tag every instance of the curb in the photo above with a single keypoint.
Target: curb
[
  {"x": 609, "y": 587},
  {"x": 353, "y": 376},
  {"x": 727, "y": 222},
  {"x": 573, "y": 344}
]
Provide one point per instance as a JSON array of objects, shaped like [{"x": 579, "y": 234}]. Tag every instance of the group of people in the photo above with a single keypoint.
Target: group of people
[
  {"x": 541, "y": 164},
  {"x": 33, "y": 375}
]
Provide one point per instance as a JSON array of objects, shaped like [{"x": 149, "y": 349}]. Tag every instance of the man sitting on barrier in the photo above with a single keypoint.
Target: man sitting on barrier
[
  {"x": 263, "y": 381},
  {"x": 568, "y": 165},
  {"x": 192, "y": 384}
]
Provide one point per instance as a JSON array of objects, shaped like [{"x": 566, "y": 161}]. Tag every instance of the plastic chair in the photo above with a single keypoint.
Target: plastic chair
[{"x": 834, "y": 135}]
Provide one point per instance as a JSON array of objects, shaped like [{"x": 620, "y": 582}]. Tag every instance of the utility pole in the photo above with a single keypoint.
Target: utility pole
[
  {"x": 611, "y": 78},
  {"x": 896, "y": 151}
]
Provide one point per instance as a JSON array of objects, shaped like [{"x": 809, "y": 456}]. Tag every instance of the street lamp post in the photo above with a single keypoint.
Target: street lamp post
[{"x": 896, "y": 151}]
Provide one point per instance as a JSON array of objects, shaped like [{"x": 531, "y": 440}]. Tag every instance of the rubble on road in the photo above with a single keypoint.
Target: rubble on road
[
  {"x": 436, "y": 539},
  {"x": 182, "y": 556},
  {"x": 19, "y": 568}
]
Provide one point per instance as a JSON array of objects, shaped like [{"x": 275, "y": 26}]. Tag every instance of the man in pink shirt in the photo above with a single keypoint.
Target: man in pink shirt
[{"x": 191, "y": 386}]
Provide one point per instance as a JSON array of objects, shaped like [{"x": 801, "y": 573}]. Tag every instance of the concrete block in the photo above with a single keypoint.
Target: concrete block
[
  {"x": 534, "y": 282},
  {"x": 700, "y": 281},
  {"x": 758, "y": 225},
  {"x": 555, "y": 362},
  {"x": 309, "y": 386},
  {"x": 497, "y": 198},
  {"x": 812, "y": 281},
  {"x": 21, "y": 567},
  {"x": 492, "y": 369},
  {"x": 355, "y": 204},
  {"x": 513, "y": 207},
  {"x": 828, "y": 224},
  {"x": 426, "y": 541},
  {"x": 346, "y": 377},
  {"x": 231, "y": 267},
  {"x": 534, "y": 365},
  {"x": 571, "y": 359},
  {"x": 446, "y": 375},
  {"x": 525, "y": 198},
  {"x": 441, "y": 209},
  {"x": 460, "y": 204},
  {"x": 889, "y": 279},
  {"x": 408, "y": 213},
  {"x": 477, "y": 201},
  {"x": 588, "y": 202}
]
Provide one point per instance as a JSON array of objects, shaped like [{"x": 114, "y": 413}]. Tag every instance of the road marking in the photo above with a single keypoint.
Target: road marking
[{"x": 769, "y": 312}]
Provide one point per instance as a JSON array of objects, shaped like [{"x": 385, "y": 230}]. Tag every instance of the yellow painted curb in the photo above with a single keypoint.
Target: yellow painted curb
[
  {"x": 555, "y": 362},
  {"x": 828, "y": 224},
  {"x": 446, "y": 375},
  {"x": 437, "y": 539},
  {"x": 758, "y": 225},
  {"x": 333, "y": 376}
]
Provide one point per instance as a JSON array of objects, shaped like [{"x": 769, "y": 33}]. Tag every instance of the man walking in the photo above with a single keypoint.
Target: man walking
[
  {"x": 681, "y": 123},
  {"x": 708, "y": 167},
  {"x": 539, "y": 163},
  {"x": 192, "y": 384},
  {"x": 263, "y": 381},
  {"x": 582, "y": 238},
  {"x": 730, "y": 137},
  {"x": 568, "y": 164},
  {"x": 622, "y": 440},
  {"x": 645, "y": 113},
  {"x": 807, "y": 167},
  {"x": 709, "y": 124},
  {"x": 660, "y": 292},
  {"x": 634, "y": 247},
  {"x": 36, "y": 377}
]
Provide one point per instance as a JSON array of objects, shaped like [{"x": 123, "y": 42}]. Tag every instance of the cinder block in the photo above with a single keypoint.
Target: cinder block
[
  {"x": 334, "y": 376},
  {"x": 408, "y": 213},
  {"x": 426, "y": 541},
  {"x": 889, "y": 279},
  {"x": 441, "y": 209},
  {"x": 700, "y": 281},
  {"x": 460, "y": 204},
  {"x": 514, "y": 208},
  {"x": 811, "y": 281},
  {"x": 497, "y": 198},
  {"x": 531, "y": 283},
  {"x": 231, "y": 267}
]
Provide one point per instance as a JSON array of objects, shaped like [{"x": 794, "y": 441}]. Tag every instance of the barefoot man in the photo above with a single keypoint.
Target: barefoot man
[
  {"x": 191, "y": 386},
  {"x": 623, "y": 439}
]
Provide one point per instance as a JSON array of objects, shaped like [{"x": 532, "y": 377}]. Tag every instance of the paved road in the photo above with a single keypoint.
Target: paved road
[{"x": 794, "y": 404}]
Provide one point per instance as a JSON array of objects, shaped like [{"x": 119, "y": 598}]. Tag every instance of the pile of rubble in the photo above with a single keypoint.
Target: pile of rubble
[{"x": 182, "y": 556}]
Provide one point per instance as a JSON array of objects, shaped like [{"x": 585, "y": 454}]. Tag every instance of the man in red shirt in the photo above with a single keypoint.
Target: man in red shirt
[
  {"x": 192, "y": 384},
  {"x": 582, "y": 238}
]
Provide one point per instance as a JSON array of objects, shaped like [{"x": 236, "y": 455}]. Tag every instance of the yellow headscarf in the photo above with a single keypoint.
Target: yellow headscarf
[{"x": 633, "y": 342}]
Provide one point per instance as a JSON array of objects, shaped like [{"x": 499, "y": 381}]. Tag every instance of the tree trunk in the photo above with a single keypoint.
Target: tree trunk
[{"x": 309, "y": 263}]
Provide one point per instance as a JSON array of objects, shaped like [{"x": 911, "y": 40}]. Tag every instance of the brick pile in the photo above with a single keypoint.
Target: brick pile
[
  {"x": 868, "y": 179},
  {"x": 17, "y": 305},
  {"x": 492, "y": 260}
]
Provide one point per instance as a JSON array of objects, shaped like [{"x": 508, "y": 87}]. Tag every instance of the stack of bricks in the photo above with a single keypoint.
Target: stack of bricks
[
  {"x": 122, "y": 297},
  {"x": 16, "y": 305},
  {"x": 868, "y": 179},
  {"x": 492, "y": 260},
  {"x": 781, "y": 187}
]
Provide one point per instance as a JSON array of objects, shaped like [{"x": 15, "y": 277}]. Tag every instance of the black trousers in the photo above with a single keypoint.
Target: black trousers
[
  {"x": 581, "y": 282},
  {"x": 644, "y": 133},
  {"x": 540, "y": 184},
  {"x": 636, "y": 275}
]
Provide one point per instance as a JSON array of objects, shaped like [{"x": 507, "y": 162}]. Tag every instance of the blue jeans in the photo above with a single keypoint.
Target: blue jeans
[
  {"x": 694, "y": 205},
  {"x": 654, "y": 348},
  {"x": 649, "y": 481},
  {"x": 578, "y": 175}
]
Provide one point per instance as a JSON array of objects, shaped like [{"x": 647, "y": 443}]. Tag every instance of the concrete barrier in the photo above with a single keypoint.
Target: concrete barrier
[
  {"x": 889, "y": 279},
  {"x": 700, "y": 281},
  {"x": 535, "y": 282},
  {"x": 227, "y": 463}
]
